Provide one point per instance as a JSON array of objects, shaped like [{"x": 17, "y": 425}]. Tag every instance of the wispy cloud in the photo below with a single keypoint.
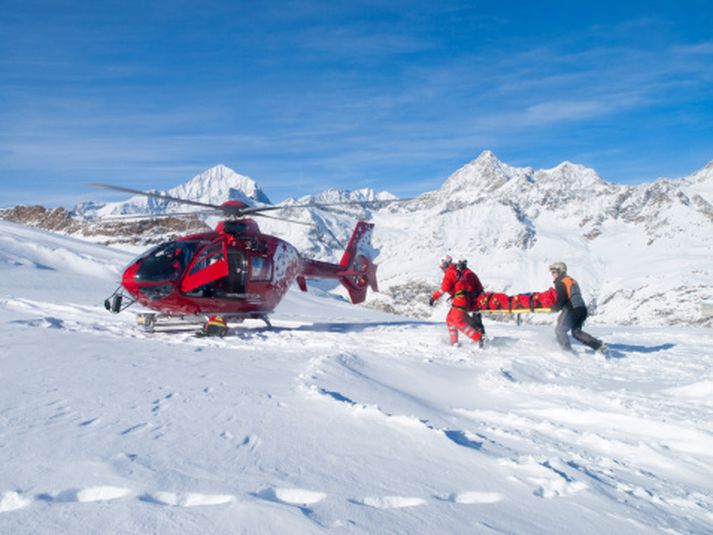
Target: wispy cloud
[
  {"x": 302, "y": 97},
  {"x": 704, "y": 48}
]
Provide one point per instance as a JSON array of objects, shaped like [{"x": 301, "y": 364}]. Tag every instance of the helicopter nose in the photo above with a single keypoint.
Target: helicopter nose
[
  {"x": 155, "y": 292},
  {"x": 128, "y": 278}
]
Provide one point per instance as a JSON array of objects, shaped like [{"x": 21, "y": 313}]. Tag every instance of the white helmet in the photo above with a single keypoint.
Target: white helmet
[
  {"x": 446, "y": 261},
  {"x": 559, "y": 267}
]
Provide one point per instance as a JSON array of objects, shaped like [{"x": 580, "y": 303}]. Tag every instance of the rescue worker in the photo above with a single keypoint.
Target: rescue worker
[
  {"x": 455, "y": 286},
  {"x": 574, "y": 311},
  {"x": 475, "y": 288},
  {"x": 178, "y": 261},
  {"x": 215, "y": 326}
]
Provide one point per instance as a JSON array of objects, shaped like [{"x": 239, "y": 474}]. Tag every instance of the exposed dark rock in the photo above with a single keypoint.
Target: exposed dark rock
[{"x": 135, "y": 232}]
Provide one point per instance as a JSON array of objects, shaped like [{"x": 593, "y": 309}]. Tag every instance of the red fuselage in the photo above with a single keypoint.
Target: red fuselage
[{"x": 236, "y": 270}]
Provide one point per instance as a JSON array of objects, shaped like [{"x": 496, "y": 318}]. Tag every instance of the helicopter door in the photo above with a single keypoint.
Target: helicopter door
[
  {"x": 209, "y": 265},
  {"x": 236, "y": 277}
]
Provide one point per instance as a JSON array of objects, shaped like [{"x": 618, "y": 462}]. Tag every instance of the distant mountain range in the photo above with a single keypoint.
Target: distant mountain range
[{"x": 643, "y": 254}]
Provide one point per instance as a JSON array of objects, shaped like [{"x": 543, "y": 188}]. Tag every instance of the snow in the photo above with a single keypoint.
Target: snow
[{"x": 339, "y": 419}]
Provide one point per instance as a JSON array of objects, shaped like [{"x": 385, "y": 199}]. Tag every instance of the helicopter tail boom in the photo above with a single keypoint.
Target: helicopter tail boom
[{"x": 356, "y": 272}]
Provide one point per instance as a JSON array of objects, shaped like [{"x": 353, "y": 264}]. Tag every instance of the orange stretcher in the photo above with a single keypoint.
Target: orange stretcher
[{"x": 516, "y": 304}]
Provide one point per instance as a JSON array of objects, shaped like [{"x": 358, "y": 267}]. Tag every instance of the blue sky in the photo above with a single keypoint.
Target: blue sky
[{"x": 306, "y": 95}]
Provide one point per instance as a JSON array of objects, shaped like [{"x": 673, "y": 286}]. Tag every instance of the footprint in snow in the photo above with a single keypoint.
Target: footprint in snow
[
  {"x": 292, "y": 496},
  {"x": 549, "y": 478},
  {"x": 251, "y": 442},
  {"x": 134, "y": 428},
  {"x": 391, "y": 502},
  {"x": 158, "y": 403},
  {"x": 48, "y": 322},
  {"x": 88, "y": 423},
  {"x": 99, "y": 493},
  {"x": 188, "y": 499},
  {"x": 474, "y": 497},
  {"x": 12, "y": 501}
]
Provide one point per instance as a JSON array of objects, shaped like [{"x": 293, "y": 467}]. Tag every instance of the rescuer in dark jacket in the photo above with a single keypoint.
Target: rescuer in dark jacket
[{"x": 574, "y": 311}]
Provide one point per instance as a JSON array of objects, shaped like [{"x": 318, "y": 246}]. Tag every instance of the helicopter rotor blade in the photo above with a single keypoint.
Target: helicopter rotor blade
[
  {"x": 284, "y": 219},
  {"x": 177, "y": 215},
  {"x": 237, "y": 211},
  {"x": 257, "y": 209},
  {"x": 156, "y": 196}
]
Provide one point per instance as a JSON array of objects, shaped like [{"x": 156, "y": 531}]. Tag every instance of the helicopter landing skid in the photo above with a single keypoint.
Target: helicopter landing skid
[{"x": 155, "y": 321}]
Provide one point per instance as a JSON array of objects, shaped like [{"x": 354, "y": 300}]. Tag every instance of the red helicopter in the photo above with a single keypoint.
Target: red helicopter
[{"x": 235, "y": 271}]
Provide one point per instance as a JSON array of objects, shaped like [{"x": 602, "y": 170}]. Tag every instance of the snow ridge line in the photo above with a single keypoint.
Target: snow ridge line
[{"x": 16, "y": 500}]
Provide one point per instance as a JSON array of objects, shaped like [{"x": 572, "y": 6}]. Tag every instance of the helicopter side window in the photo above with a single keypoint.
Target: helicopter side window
[
  {"x": 236, "y": 272},
  {"x": 261, "y": 269},
  {"x": 207, "y": 272},
  {"x": 212, "y": 255}
]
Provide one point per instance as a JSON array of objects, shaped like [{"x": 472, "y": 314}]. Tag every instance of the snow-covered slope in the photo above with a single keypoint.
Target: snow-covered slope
[{"x": 341, "y": 419}]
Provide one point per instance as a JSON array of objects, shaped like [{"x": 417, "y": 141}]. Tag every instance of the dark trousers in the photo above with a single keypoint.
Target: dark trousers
[
  {"x": 475, "y": 320},
  {"x": 573, "y": 320}
]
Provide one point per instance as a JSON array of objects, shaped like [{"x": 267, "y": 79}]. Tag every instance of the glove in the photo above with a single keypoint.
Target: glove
[{"x": 431, "y": 300}]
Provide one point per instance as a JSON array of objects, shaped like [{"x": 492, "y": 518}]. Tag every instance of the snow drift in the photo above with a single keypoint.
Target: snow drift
[{"x": 340, "y": 419}]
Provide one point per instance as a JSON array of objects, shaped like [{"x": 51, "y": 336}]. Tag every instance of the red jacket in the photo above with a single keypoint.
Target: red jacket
[
  {"x": 448, "y": 285},
  {"x": 468, "y": 288},
  {"x": 473, "y": 282}
]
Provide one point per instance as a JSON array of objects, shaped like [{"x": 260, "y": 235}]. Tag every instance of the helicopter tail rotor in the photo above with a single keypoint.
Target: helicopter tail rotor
[{"x": 359, "y": 271}]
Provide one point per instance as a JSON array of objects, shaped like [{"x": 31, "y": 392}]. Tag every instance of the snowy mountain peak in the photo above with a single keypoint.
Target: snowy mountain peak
[
  {"x": 219, "y": 184},
  {"x": 705, "y": 174},
  {"x": 343, "y": 195},
  {"x": 700, "y": 183},
  {"x": 570, "y": 175},
  {"x": 213, "y": 186},
  {"x": 484, "y": 174},
  {"x": 487, "y": 156}
]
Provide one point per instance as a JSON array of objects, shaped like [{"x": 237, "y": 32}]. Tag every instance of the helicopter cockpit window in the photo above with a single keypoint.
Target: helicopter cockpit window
[
  {"x": 261, "y": 269},
  {"x": 166, "y": 261}
]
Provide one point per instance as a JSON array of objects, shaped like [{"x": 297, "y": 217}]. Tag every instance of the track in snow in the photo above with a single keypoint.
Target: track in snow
[{"x": 339, "y": 418}]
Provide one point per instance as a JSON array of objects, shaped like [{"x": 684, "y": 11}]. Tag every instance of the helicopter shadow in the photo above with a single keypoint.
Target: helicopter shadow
[{"x": 336, "y": 327}]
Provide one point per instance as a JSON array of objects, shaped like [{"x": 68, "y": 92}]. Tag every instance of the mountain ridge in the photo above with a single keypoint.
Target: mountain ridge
[{"x": 622, "y": 241}]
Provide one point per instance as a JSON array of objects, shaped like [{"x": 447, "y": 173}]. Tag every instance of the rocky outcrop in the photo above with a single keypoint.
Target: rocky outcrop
[
  {"x": 57, "y": 219},
  {"x": 136, "y": 232}
]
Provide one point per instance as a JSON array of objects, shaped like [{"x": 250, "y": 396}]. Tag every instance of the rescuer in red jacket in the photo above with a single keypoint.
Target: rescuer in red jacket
[
  {"x": 473, "y": 288},
  {"x": 457, "y": 287}
]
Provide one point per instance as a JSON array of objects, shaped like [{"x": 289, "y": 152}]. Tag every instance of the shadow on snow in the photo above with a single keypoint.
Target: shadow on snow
[
  {"x": 641, "y": 349},
  {"x": 335, "y": 327}
]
